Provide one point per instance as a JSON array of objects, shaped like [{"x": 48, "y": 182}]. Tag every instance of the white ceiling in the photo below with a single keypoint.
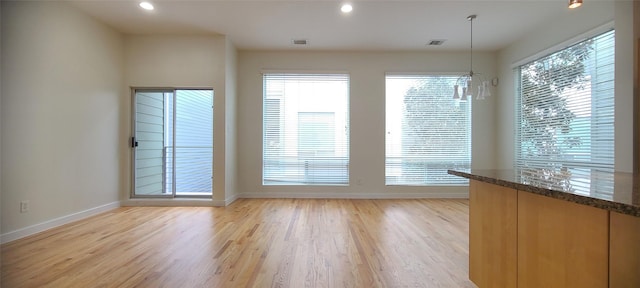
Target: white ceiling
[{"x": 373, "y": 25}]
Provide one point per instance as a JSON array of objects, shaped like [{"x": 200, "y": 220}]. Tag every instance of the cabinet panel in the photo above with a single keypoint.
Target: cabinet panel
[
  {"x": 492, "y": 235},
  {"x": 560, "y": 243},
  {"x": 624, "y": 249}
]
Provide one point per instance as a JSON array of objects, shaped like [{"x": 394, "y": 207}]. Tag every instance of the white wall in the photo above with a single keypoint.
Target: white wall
[
  {"x": 636, "y": 87},
  {"x": 61, "y": 76},
  {"x": 625, "y": 40},
  {"x": 0, "y": 125},
  {"x": 180, "y": 62},
  {"x": 231, "y": 126},
  {"x": 367, "y": 99},
  {"x": 557, "y": 31}
]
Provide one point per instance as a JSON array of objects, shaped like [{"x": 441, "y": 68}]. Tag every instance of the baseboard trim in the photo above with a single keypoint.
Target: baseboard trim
[
  {"x": 174, "y": 202},
  {"x": 448, "y": 195},
  {"x": 231, "y": 199},
  {"x": 40, "y": 227},
  {"x": 37, "y": 228}
]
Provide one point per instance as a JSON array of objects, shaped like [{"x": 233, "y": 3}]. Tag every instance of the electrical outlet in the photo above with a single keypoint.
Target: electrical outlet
[{"x": 24, "y": 206}]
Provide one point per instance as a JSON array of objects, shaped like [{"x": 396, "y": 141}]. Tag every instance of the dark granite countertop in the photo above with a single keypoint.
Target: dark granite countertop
[{"x": 614, "y": 191}]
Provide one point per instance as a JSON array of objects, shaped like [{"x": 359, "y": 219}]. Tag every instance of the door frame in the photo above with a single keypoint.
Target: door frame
[
  {"x": 132, "y": 144},
  {"x": 132, "y": 136}
]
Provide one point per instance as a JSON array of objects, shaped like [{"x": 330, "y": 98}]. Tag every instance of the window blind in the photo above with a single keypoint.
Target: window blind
[
  {"x": 565, "y": 110},
  {"x": 427, "y": 131},
  {"x": 305, "y": 129}
]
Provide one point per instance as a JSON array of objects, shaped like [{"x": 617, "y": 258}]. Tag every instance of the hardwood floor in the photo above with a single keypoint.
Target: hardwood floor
[{"x": 252, "y": 243}]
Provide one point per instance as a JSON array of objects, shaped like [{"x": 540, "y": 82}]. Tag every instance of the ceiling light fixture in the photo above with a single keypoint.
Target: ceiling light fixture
[
  {"x": 346, "y": 8},
  {"x": 575, "y": 4},
  {"x": 467, "y": 81},
  {"x": 146, "y": 6}
]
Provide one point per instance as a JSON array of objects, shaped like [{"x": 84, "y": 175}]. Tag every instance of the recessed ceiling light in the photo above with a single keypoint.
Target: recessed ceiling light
[
  {"x": 346, "y": 8},
  {"x": 146, "y": 5},
  {"x": 575, "y": 3}
]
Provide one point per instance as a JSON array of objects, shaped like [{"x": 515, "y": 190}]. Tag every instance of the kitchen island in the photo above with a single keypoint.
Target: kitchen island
[{"x": 553, "y": 228}]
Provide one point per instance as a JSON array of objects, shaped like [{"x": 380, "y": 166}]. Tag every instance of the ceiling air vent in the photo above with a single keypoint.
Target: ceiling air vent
[
  {"x": 299, "y": 41},
  {"x": 436, "y": 42}
]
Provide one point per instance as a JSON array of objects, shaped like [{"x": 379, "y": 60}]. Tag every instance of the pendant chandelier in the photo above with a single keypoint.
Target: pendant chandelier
[{"x": 472, "y": 83}]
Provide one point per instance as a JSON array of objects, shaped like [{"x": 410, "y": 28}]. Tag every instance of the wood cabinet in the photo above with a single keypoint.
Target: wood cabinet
[
  {"x": 561, "y": 243},
  {"x": 624, "y": 251},
  {"x": 522, "y": 239},
  {"x": 492, "y": 235}
]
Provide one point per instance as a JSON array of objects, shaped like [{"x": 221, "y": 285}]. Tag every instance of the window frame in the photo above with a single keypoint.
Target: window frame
[
  {"x": 303, "y": 169},
  {"x": 433, "y": 176},
  {"x": 169, "y": 109},
  {"x": 576, "y": 167}
]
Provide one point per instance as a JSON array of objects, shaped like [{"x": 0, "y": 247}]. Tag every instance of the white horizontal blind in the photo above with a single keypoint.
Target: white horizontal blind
[
  {"x": 565, "y": 110},
  {"x": 427, "y": 131},
  {"x": 305, "y": 129}
]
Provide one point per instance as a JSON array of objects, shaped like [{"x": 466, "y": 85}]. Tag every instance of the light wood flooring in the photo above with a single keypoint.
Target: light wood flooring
[{"x": 252, "y": 243}]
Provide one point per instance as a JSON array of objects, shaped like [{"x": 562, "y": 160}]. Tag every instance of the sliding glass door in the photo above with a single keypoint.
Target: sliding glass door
[{"x": 172, "y": 142}]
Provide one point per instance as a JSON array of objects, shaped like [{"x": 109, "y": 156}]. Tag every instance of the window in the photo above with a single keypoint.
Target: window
[
  {"x": 565, "y": 111},
  {"x": 306, "y": 129},
  {"x": 427, "y": 131}
]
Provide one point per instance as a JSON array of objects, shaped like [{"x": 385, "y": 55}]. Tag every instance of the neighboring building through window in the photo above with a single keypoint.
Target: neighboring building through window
[
  {"x": 305, "y": 129},
  {"x": 427, "y": 131},
  {"x": 565, "y": 112}
]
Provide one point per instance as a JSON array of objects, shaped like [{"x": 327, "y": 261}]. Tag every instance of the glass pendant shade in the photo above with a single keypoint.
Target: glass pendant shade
[
  {"x": 469, "y": 88},
  {"x": 480, "y": 93},
  {"x": 486, "y": 91},
  {"x": 464, "y": 94},
  {"x": 483, "y": 91},
  {"x": 455, "y": 92}
]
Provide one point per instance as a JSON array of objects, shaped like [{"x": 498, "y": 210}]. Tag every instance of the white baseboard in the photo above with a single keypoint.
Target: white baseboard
[
  {"x": 37, "y": 228},
  {"x": 448, "y": 195},
  {"x": 174, "y": 202},
  {"x": 231, "y": 199}
]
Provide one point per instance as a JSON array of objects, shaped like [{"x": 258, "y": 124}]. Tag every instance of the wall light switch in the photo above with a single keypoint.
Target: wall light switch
[{"x": 24, "y": 206}]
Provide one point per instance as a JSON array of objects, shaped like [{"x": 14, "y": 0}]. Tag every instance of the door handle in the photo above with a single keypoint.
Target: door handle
[{"x": 134, "y": 143}]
